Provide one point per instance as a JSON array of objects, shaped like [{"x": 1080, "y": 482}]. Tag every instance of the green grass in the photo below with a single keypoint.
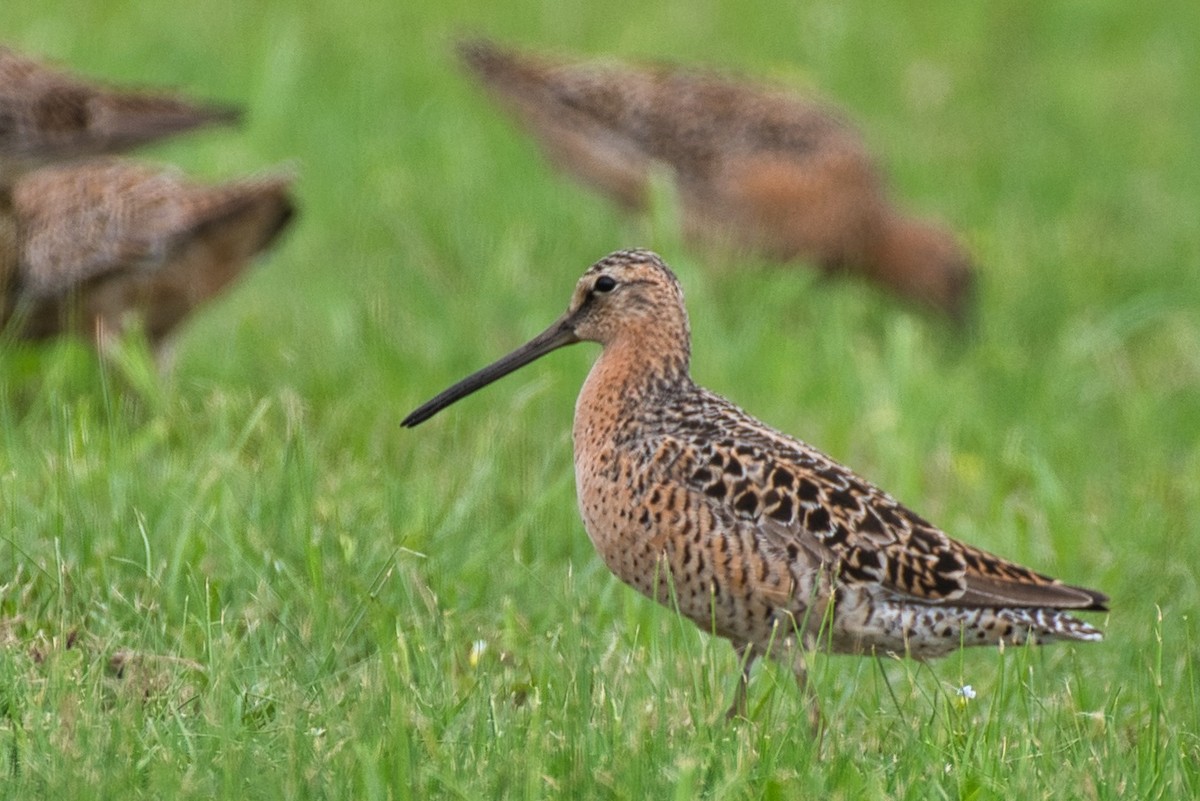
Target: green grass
[{"x": 246, "y": 581}]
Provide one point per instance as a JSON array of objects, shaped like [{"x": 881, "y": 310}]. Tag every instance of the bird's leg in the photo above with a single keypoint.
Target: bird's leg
[
  {"x": 800, "y": 669},
  {"x": 106, "y": 336},
  {"x": 746, "y": 656},
  {"x": 166, "y": 354}
]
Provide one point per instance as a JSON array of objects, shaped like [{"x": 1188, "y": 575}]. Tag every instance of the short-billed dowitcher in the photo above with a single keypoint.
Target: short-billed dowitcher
[
  {"x": 752, "y": 534},
  {"x": 48, "y": 115},
  {"x": 85, "y": 246},
  {"x": 753, "y": 166}
]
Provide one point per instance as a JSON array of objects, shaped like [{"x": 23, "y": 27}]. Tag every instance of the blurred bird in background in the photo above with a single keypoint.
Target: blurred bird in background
[
  {"x": 86, "y": 248},
  {"x": 49, "y": 116},
  {"x": 753, "y": 166}
]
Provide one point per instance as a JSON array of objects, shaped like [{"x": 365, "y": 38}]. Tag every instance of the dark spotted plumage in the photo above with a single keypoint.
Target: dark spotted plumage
[
  {"x": 48, "y": 115},
  {"x": 749, "y": 532},
  {"x": 753, "y": 165}
]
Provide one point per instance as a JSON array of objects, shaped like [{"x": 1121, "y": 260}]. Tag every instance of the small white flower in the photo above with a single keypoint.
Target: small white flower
[
  {"x": 966, "y": 692},
  {"x": 478, "y": 649}
]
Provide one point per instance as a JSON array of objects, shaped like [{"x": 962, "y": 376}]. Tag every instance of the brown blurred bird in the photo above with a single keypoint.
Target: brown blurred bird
[
  {"x": 47, "y": 115},
  {"x": 83, "y": 248},
  {"x": 753, "y": 166}
]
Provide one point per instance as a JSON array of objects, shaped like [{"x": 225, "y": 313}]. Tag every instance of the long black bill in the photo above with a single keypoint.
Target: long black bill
[{"x": 562, "y": 332}]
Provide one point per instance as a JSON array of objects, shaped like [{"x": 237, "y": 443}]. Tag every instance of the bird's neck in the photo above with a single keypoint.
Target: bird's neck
[{"x": 632, "y": 371}]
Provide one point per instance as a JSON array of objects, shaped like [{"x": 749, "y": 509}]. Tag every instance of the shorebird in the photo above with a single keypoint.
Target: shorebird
[
  {"x": 753, "y": 166},
  {"x": 83, "y": 248},
  {"x": 48, "y": 115},
  {"x": 752, "y": 534}
]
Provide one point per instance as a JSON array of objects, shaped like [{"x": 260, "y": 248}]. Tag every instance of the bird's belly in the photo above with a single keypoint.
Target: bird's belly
[{"x": 721, "y": 576}]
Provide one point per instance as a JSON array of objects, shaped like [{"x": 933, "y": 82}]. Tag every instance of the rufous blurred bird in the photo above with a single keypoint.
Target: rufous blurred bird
[{"x": 753, "y": 166}]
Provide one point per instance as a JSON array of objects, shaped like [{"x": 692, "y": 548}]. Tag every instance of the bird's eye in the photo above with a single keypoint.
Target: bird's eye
[{"x": 605, "y": 283}]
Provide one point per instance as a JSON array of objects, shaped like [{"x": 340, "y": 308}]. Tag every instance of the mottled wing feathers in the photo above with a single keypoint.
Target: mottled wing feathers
[
  {"x": 802, "y": 498},
  {"x": 227, "y": 227},
  {"x": 689, "y": 118},
  {"x": 118, "y": 121},
  {"x": 573, "y": 136},
  {"x": 497, "y": 66},
  {"x": 992, "y": 581},
  {"x": 265, "y": 202},
  {"x": 598, "y": 92},
  {"x": 79, "y": 223}
]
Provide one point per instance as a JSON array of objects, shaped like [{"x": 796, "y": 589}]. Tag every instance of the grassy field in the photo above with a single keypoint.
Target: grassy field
[{"x": 245, "y": 580}]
